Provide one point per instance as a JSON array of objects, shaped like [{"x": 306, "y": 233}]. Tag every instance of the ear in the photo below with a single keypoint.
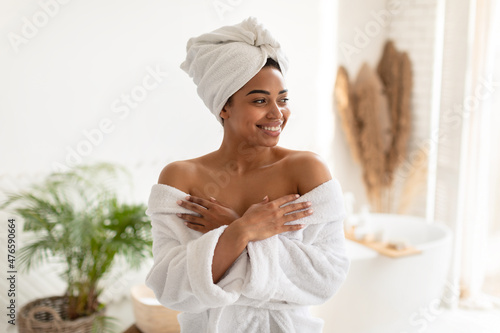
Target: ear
[{"x": 224, "y": 113}]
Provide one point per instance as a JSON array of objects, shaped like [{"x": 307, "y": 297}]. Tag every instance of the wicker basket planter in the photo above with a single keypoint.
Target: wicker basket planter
[
  {"x": 151, "y": 316},
  {"x": 50, "y": 315}
]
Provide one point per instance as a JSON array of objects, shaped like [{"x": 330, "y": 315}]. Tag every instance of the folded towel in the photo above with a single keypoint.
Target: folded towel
[
  {"x": 224, "y": 60},
  {"x": 269, "y": 286}
]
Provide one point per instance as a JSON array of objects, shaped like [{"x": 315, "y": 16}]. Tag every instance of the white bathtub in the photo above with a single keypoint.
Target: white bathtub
[{"x": 386, "y": 295}]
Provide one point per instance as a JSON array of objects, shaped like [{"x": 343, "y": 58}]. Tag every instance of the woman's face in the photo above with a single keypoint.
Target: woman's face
[{"x": 258, "y": 111}]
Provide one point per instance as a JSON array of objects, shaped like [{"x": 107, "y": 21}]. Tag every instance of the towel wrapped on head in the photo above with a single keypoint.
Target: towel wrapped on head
[{"x": 224, "y": 60}]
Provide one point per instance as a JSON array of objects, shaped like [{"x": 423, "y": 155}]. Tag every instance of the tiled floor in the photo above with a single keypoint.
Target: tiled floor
[
  {"x": 466, "y": 321},
  {"x": 456, "y": 321}
]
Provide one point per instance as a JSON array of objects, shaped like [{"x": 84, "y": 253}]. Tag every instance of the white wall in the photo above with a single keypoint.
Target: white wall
[
  {"x": 354, "y": 47},
  {"x": 61, "y": 81}
]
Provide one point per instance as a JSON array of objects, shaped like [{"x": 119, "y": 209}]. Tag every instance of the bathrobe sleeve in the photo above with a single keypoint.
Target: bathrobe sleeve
[
  {"x": 286, "y": 269},
  {"x": 181, "y": 276},
  {"x": 304, "y": 267}
]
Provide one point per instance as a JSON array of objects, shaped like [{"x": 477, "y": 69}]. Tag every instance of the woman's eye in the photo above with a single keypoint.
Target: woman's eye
[
  {"x": 284, "y": 100},
  {"x": 260, "y": 101}
]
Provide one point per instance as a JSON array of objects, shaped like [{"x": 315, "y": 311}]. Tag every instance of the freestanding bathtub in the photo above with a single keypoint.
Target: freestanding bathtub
[{"x": 391, "y": 295}]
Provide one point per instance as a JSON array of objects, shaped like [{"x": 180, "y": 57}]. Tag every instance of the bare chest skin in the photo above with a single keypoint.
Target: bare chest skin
[{"x": 239, "y": 192}]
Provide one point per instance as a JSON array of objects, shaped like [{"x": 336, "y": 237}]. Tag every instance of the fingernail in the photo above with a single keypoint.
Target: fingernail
[
  {"x": 297, "y": 195},
  {"x": 185, "y": 223},
  {"x": 188, "y": 197},
  {"x": 309, "y": 211},
  {"x": 264, "y": 198},
  {"x": 178, "y": 214},
  {"x": 179, "y": 202},
  {"x": 212, "y": 198},
  {"x": 308, "y": 203}
]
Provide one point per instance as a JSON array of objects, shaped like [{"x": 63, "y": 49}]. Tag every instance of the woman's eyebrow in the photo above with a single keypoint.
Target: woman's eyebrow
[{"x": 265, "y": 92}]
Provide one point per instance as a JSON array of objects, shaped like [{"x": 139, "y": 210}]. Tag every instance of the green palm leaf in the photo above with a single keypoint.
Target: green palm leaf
[{"x": 78, "y": 218}]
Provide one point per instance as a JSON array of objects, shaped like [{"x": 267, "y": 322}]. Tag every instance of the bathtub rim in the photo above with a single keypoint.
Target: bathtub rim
[{"x": 446, "y": 233}]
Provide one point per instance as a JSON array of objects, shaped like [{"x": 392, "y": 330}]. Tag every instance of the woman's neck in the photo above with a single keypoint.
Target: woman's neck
[{"x": 242, "y": 157}]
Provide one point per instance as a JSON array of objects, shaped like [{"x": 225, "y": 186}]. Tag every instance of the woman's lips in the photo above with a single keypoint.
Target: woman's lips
[{"x": 270, "y": 130}]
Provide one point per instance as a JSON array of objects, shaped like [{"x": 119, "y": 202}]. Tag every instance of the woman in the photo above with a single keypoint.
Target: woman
[{"x": 248, "y": 236}]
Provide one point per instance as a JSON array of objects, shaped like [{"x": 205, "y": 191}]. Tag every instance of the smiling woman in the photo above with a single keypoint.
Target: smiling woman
[
  {"x": 261, "y": 103},
  {"x": 248, "y": 236}
]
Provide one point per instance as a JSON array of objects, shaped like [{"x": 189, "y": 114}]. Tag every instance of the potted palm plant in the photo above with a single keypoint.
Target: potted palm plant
[{"x": 77, "y": 218}]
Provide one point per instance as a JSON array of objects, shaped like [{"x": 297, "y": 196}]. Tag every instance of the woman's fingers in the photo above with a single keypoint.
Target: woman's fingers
[
  {"x": 195, "y": 204},
  {"x": 190, "y": 218},
  {"x": 297, "y": 215},
  {"x": 199, "y": 201},
  {"x": 269, "y": 217},
  {"x": 284, "y": 199},
  {"x": 294, "y": 227},
  {"x": 296, "y": 206},
  {"x": 215, "y": 201},
  {"x": 196, "y": 227},
  {"x": 193, "y": 222},
  {"x": 294, "y": 211}
]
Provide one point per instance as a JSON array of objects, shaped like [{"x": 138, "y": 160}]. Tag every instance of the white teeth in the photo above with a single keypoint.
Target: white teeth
[{"x": 274, "y": 129}]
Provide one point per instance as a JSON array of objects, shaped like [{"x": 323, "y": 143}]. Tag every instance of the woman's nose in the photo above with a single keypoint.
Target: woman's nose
[{"x": 274, "y": 111}]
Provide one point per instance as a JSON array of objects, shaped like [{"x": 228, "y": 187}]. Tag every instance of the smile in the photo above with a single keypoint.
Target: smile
[
  {"x": 273, "y": 129},
  {"x": 270, "y": 130}
]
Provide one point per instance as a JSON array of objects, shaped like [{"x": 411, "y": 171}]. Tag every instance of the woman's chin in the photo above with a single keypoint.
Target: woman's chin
[{"x": 272, "y": 143}]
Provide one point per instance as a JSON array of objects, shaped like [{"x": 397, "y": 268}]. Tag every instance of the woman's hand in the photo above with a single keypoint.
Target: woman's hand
[
  {"x": 267, "y": 218},
  {"x": 213, "y": 214}
]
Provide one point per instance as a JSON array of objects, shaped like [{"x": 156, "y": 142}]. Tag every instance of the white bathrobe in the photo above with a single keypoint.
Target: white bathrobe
[{"x": 271, "y": 284}]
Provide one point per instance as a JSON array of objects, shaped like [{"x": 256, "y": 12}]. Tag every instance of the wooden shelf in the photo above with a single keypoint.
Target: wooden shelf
[
  {"x": 383, "y": 248},
  {"x": 134, "y": 329}
]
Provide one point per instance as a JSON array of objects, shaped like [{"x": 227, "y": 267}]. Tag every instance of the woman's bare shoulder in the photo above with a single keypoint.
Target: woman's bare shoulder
[
  {"x": 308, "y": 169},
  {"x": 178, "y": 174}
]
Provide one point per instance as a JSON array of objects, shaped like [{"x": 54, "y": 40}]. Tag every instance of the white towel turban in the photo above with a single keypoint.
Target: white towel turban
[{"x": 224, "y": 60}]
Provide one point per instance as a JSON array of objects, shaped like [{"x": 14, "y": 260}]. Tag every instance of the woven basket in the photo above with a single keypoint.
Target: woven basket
[
  {"x": 150, "y": 316},
  {"x": 50, "y": 315}
]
